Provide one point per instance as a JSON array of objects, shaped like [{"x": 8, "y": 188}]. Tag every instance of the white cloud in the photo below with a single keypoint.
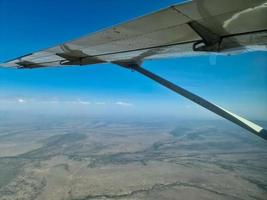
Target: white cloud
[
  {"x": 55, "y": 101},
  {"x": 77, "y": 102},
  {"x": 121, "y": 103},
  {"x": 21, "y": 101}
]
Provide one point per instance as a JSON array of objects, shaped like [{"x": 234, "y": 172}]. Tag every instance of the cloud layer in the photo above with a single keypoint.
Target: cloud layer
[{"x": 78, "y": 101}]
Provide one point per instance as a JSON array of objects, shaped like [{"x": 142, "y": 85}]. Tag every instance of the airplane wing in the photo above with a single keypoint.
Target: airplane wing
[{"x": 192, "y": 28}]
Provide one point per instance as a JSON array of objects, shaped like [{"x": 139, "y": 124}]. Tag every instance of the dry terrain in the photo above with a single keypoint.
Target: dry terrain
[{"x": 84, "y": 158}]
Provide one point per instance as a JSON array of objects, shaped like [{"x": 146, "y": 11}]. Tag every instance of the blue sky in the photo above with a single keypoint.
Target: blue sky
[{"x": 238, "y": 83}]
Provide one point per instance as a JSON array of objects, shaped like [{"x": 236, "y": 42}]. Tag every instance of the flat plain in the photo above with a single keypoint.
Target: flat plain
[{"x": 83, "y": 158}]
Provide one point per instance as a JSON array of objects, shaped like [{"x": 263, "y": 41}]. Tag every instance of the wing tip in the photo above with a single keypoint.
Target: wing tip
[{"x": 8, "y": 65}]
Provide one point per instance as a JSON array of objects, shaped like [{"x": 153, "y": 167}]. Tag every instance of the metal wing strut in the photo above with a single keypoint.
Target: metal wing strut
[{"x": 250, "y": 126}]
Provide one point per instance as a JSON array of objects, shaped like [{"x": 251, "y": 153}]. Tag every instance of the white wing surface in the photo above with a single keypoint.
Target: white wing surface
[{"x": 191, "y": 28}]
